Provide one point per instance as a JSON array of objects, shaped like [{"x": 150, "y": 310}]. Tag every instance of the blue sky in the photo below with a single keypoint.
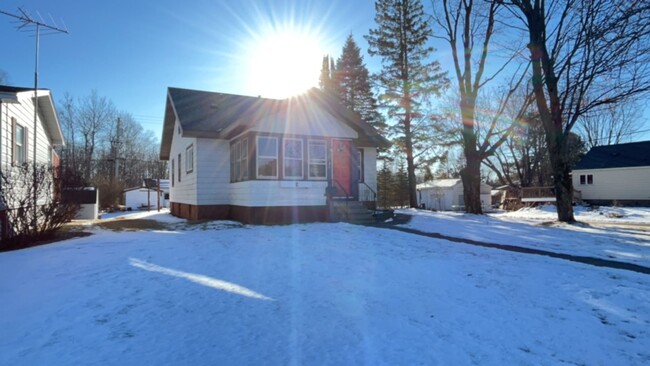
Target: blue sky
[{"x": 131, "y": 51}]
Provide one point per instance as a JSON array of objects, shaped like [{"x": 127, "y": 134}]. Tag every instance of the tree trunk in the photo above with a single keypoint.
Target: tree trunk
[
  {"x": 561, "y": 178},
  {"x": 410, "y": 165},
  {"x": 471, "y": 173},
  {"x": 471, "y": 177}
]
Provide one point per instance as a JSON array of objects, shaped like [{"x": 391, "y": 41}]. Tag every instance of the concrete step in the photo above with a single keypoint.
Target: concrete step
[{"x": 353, "y": 212}]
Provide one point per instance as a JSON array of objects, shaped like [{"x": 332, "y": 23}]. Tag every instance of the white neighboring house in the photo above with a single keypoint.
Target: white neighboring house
[
  {"x": 447, "y": 195},
  {"x": 265, "y": 161},
  {"x": 17, "y": 131},
  {"x": 615, "y": 174}
]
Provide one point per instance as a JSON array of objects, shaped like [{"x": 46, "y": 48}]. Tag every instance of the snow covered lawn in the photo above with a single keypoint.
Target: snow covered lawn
[
  {"x": 334, "y": 294},
  {"x": 528, "y": 228}
]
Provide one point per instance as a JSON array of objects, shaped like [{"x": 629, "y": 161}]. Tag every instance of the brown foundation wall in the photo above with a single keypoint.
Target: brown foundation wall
[{"x": 251, "y": 215}]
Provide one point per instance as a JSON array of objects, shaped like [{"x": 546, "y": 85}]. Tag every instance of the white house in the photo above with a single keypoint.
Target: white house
[
  {"x": 259, "y": 160},
  {"x": 17, "y": 133},
  {"x": 447, "y": 195},
  {"x": 615, "y": 173}
]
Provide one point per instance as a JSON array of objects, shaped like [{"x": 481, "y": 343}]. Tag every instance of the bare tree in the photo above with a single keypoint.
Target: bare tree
[
  {"x": 585, "y": 54},
  {"x": 95, "y": 116},
  {"x": 465, "y": 24},
  {"x": 611, "y": 124}
]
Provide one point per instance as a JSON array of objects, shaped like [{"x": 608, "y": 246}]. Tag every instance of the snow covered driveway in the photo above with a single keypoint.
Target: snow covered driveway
[{"x": 333, "y": 294}]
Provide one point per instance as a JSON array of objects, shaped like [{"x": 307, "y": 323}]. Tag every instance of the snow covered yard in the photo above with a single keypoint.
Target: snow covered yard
[
  {"x": 219, "y": 294},
  {"x": 529, "y": 228}
]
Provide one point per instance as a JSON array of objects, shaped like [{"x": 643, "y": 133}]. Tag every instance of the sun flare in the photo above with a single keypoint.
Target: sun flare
[{"x": 284, "y": 63}]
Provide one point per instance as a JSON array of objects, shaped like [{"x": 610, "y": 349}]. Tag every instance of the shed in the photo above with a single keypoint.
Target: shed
[
  {"x": 137, "y": 198},
  {"x": 447, "y": 195}
]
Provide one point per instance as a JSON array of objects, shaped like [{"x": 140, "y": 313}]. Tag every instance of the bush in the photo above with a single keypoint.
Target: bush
[{"x": 26, "y": 223}]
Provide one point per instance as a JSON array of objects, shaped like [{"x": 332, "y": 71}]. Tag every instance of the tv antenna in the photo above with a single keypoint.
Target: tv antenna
[{"x": 27, "y": 23}]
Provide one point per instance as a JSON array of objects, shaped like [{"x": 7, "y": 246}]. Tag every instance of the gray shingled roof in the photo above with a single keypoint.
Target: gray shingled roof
[
  {"x": 207, "y": 114},
  {"x": 633, "y": 154}
]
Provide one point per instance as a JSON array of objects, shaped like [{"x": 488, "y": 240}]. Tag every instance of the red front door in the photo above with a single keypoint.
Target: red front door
[{"x": 341, "y": 166}]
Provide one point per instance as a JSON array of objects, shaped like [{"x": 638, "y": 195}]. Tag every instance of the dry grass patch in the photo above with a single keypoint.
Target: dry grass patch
[{"x": 132, "y": 225}]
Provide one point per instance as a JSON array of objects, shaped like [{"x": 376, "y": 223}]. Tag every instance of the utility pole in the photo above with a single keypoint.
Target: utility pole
[{"x": 25, "y": 20}]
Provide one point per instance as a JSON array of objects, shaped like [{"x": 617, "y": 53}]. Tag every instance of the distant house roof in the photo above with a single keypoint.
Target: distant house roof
[
  {"x": 439, "y": 183},
  {"x": 215, "y": 115},
  {"x": 9, "y": 94},
  {"x": 633, "y": 154}
]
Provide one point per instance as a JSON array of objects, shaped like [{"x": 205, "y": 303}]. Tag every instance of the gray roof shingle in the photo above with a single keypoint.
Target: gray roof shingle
[{"x": 633, "y": 154}]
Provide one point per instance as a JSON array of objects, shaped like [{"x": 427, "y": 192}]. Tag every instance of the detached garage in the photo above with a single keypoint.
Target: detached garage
[{"x": 447, "y": 195}]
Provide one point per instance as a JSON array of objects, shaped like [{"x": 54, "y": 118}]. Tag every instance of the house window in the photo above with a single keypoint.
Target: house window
[
  {"x": 586, "y": 179},
  {"x": 244, "y": 160},
  {"x": 292, "y": 158},
  {"x": 590, "y": 179},
  {"x": 317, "y": 160},
  {"x": 239, "y": 161},
  {"x": 267, "y": 157},
  {"x": 20, "y": 144},
  {"x": 179, "y": 168},
  {"x": 583, "y": 179},
  {"x": 172, "y": 172},
  {"x": 360, "y": 164},
  {"x": 189, "y": 159}
]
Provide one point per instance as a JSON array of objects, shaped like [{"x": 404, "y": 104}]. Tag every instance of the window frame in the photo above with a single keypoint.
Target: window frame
[
  {"x": 179, "y": 167},
  {"x": 258, "y": 157},
  {"x": 583, "y": 179},
  {"x": 173, "y": 167},
  {"x": 15, "y": 143},
  {"x": 360, "y": 166},
  {"x": 189, "y": 159},
  {"x": 590, "y": 179},
  {"x": 309, "y": 159},
  {"x": 244, "y": 157},
  {"x": 301, "y": 159}
]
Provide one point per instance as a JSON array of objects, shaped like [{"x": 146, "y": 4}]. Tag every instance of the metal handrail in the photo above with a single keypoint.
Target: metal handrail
[{"x": 374, "y": 194}]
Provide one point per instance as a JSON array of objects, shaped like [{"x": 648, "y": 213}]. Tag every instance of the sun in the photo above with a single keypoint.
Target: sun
[{"x": 283, "y": 63}]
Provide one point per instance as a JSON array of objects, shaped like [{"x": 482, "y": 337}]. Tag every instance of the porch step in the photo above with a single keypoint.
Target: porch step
[{"x": 353, "y": 212}]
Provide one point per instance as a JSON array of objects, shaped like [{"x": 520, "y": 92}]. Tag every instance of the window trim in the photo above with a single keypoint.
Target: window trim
[
  {"x": 179, "y": 167},
  {"x": 14, "y": 143},
  {"x": 301, "y": 159},
  {"x": 243, "y": 166},
  {"x": 361, "y": 166},
  {"x": 189, "y": 159},
  {"x": 173, "y": 167},
  {"x": 258, "y": 157},
  {"x": 590, "y": 179},
  {"x": 309, "y": 159}
]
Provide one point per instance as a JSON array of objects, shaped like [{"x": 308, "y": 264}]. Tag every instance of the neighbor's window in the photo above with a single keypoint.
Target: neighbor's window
[
  {"x": 583, "y": 179},
  {"x": 20, "y": 145},
  {"x": 586, "y": 179},
  {"x": 189, "y": 159},
  {"x": 590, "y": 179},
  {"x": 317, "y": 159},
  {"x": 267, "y": 157},
  {"x": 179, "y": 168},
  {"x": 292, "y": 158}
]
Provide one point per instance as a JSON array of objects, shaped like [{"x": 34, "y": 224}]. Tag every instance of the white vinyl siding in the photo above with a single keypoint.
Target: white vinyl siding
[
  {"x": 267, "y": 157},
  {"x": 614, "y": 183},
  {"x": 23, "y": 113},
  {"x": 184, "y": 189},
  {"x": 292, "y": 158}
]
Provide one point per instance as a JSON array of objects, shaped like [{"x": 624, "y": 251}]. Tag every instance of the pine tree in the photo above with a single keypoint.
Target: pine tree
[
  {"x": 409, "y": 78},
  {"x": 326, "y": 80},
  {"x": 352, "y": 81}
]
